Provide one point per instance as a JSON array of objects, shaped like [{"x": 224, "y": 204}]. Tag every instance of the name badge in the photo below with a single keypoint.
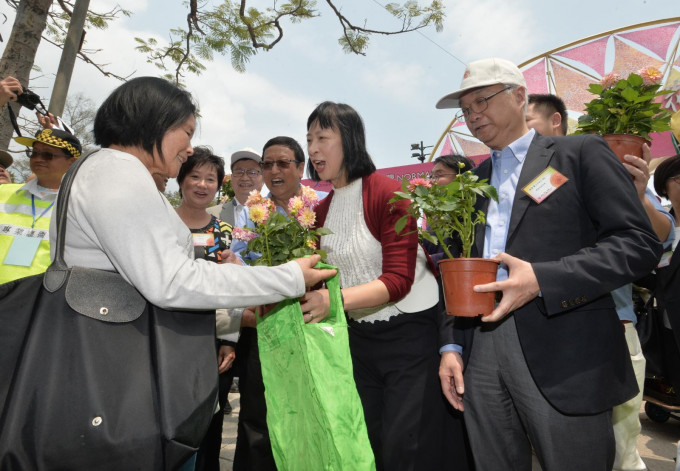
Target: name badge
[
  {"x": 665, "y": 259},
  {"x": 544, "y": 184},
  {"x": 22, "y": 251},
  {"x": 203, "y": 240}
]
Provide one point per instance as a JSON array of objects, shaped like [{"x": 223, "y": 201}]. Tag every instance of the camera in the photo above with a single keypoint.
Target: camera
[{"x": 31, "y": 100}]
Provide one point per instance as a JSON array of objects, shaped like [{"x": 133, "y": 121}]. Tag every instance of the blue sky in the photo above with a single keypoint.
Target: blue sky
[{"x": 394, "y": 87}]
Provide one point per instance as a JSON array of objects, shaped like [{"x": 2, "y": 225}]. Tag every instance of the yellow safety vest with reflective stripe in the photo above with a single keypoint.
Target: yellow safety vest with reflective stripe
[{"x": 16, "y": 218}]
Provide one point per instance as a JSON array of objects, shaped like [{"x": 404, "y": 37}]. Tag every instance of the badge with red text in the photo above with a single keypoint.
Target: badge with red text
[
  {"x": 544, "y": 184},
  {"x": 203, "y": 240}
]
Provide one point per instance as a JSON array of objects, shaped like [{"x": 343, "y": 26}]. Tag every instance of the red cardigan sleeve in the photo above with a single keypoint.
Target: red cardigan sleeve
[{"x": 398, "y": 250}]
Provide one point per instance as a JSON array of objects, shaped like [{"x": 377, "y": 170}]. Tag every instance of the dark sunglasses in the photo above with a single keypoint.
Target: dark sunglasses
[
  {"x": 281, "y": 163},
  {"x": 45, "y": 155}
]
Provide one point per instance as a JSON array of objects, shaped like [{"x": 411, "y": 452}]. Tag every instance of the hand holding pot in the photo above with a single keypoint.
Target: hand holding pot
[
  {"x": 638, "y": 167},
  {"x": 519, "y": 288}
]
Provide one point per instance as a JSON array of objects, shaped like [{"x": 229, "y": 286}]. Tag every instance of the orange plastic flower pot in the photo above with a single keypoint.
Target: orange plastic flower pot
[
  {"x": 459, "y": 275},
  {"x": 623, "y": 144}
]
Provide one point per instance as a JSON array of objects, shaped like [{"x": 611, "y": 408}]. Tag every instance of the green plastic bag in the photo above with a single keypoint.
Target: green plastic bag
[{"x": 314, "y": 414}]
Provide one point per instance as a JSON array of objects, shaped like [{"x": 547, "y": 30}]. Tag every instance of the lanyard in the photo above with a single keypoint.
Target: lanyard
[{"x": 35, "y": 219}]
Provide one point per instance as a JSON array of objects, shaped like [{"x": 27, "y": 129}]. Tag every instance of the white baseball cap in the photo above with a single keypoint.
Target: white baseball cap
[
  {"x": 483, "y": 73},
  {"x": 247, "y": 153}
]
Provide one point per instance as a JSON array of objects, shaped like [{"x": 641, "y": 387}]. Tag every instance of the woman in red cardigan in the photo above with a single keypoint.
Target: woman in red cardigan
[{"x": 391, "y": 298}]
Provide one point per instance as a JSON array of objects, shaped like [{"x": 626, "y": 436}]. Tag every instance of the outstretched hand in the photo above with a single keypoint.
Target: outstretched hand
[
  {"x": 313, "y": 275},
  {"x": 520, "y": 287}
]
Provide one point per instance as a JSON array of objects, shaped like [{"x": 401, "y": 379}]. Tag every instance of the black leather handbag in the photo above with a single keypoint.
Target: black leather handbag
[{"x": 93, "y": 376}]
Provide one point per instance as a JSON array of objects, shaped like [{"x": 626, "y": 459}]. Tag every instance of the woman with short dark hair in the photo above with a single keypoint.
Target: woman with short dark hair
[
  {"x": 118, "y": 220},
  {"x": 390, "y": 296}
]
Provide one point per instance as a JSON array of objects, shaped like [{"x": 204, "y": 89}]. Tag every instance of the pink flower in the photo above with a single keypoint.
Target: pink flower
[
  {"x": 306, "y": 218},
  {"x": 415, "y": 182},
  {"x": 295, "y": 204},
  {"x": 650, "y": 75},
  {"x": 254, "y": 197},
  {"x": 609, "y": 80},
  {"x": 259, "y": 213},
  {"x": 309, "y": 196},
  {"x": 245, "y": 235}
]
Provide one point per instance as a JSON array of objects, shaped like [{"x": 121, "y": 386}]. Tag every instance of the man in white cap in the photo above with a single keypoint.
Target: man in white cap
[
  {"x": 246, "y": 176},
  {"x": 5, "y": 161},
  {"x": 545, "y": 368}
]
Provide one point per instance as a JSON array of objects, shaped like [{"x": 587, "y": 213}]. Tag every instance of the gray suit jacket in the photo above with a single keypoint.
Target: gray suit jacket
[{"x": 224, "y": 212}]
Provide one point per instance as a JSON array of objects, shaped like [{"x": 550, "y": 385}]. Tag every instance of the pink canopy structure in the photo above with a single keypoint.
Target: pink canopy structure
[{"x": 568, "y": 71}]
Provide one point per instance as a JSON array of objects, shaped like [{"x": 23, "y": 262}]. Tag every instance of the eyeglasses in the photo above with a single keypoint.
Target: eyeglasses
[
  {"x": 281, "y": 163},
  {"x": 45, "y": 155},
  {"x": 437, "y": 176},
  {"x": 477, "y": 106},
  {"x": 242, "y": 172}
]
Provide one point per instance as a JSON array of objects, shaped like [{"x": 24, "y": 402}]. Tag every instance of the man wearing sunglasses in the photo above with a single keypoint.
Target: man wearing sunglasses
[{"x": 26, "y": 209}]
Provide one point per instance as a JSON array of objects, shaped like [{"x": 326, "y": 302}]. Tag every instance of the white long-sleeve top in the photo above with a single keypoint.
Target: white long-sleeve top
[{"x": 119, "y": 221}]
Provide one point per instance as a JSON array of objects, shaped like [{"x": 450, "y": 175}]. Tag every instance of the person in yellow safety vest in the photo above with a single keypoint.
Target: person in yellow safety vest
[{"x": 26, "y": 209}]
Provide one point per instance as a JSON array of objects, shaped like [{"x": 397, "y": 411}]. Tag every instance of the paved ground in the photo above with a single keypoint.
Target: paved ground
[{"x": 657, "y": 442}]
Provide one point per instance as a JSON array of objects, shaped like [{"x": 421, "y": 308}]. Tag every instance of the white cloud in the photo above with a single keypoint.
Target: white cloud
[
  {"x": 401, "y": 82},
  {"x": 486, "y": 28}
]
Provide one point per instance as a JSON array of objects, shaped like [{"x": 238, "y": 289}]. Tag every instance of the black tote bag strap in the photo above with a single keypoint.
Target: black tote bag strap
[{"x": 57, "y": 272}]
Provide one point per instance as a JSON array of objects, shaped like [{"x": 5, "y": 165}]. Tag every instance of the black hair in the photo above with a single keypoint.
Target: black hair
[
  {"x": 355, "y": 158},
  {"x": 289, "y": 142},
  {"x": 670, "y": 167},
  {"x": 203, "y": 155},
  {"x": 140, "y": 112},
  {"x": 548, "y": 105},
  {"x": 452, "y": 161}
]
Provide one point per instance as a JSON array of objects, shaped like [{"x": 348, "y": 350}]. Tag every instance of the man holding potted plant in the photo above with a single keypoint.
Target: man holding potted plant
[
  {"x": 625, "y": 417},
  {"x": 549, "y": 363}
]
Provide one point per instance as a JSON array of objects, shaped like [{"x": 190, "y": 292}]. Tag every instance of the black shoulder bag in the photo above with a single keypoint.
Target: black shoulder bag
[{"x": 93, "y": 376}]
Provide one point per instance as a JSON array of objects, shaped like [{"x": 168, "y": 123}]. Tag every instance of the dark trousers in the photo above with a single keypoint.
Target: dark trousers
[
  {"x": 506, "y": 414},
  {"x": 396, "y": 364},
  {"x": 208, "y": 455},
  {"x": 253, "y": 448}
]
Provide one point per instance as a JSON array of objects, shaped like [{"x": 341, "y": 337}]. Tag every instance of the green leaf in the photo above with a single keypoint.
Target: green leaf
[{"x": 401, "y": 224}]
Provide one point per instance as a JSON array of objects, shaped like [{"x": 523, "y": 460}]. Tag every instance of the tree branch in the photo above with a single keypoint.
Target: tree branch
[{"x": 99, "y": 67}]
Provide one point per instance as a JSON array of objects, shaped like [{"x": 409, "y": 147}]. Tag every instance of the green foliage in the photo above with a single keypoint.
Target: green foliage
[
  {"x": 280, "y": 238},
  {"x": 448, "y": 209},
  {"x": 173, "y": 198},
  {"x": 237, "y": 31},
  {"x": 625, "y": 106},
  {"x": 227, "y": 187}
]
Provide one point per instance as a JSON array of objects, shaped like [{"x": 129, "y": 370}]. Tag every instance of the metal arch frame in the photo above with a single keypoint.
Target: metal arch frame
[{"x": 551, "y": 83}]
